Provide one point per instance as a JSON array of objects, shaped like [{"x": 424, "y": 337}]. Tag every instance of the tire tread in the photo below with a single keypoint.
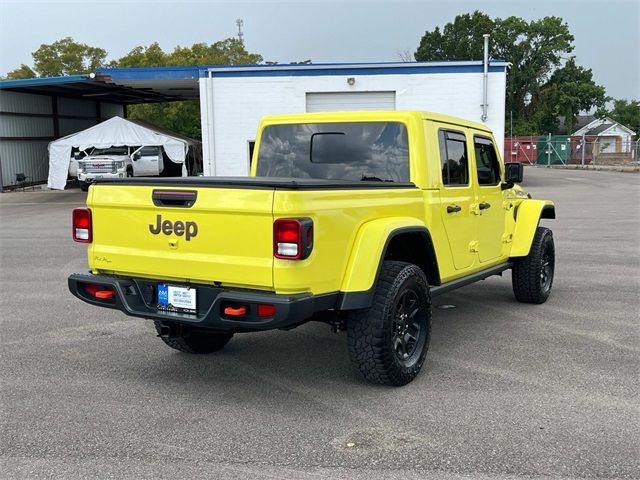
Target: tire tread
[
  {"x": 366, "y": 330},
  {"x": 525, "y": 274}
]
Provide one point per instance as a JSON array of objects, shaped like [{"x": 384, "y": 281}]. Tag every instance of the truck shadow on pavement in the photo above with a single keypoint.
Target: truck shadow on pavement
[{"x": 313, "y": 356}]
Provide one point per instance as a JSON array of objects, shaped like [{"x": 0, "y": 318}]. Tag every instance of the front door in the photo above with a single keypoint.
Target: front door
[
  {"x": 149, "y": 163},
  {"x": 457, "y": 197},
  {"x": 491, "y": 218}
]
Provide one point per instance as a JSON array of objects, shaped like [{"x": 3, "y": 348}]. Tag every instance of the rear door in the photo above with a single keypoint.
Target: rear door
[
  {"x": 491, "y": 219},
  {"x": 216, "y": 235},
  {"x": 457, "y": 196}
]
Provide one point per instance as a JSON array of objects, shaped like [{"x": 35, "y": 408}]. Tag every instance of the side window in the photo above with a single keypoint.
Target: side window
[
  {"x": 149, "y": 151},
  {"x": 453, "y": 158},
  {"x": 486, "y": 161}
]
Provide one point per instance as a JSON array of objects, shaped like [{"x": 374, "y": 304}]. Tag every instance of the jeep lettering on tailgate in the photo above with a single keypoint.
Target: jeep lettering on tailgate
[{"x": 188, "y": 229}]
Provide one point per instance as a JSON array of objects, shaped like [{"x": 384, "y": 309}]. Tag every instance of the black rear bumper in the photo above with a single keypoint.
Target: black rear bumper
[{"x": 137, "y": 298}]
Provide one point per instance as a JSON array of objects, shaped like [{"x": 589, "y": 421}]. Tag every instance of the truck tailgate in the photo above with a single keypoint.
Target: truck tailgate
[{"x": 224, "y": 236}]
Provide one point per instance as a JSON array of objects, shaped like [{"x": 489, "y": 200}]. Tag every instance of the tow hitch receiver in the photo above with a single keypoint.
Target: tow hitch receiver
[{"x": 167, "y": 331}]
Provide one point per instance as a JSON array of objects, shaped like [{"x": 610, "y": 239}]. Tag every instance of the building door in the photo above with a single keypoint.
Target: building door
[
  {"x": 348, "y": 101},
  {"x": 491, "y": 213}
]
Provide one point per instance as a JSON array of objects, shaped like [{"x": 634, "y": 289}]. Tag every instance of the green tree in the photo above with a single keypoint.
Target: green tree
[
  {"x": 183, "y": 117},
  {"x": 67, "y": 57},
  {"x": 534, "y": 50},
  {"x": 23, "y": 71},
  {"x": 151, "y": 56},
  {"x": 627, "y": 113},
  {"x": 458, "y": 40},
  {"x": 571, "y": 89}
]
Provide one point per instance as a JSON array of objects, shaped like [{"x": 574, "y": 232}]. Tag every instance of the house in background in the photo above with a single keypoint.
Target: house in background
[{"x": 610, "y": 136}]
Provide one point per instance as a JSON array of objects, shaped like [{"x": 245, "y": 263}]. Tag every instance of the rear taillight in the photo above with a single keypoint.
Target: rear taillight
[
  {"x": 81, "y": 225},
  {"x": 292, "y": 238}
]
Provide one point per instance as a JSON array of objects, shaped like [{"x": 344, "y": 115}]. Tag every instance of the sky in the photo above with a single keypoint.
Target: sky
[{"x": 607, "y": 32}]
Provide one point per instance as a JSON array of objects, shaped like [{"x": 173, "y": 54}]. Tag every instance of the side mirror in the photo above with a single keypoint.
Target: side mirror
[
  {"x": 513, "y": 172},
  {"x": 137, "y": 156}
]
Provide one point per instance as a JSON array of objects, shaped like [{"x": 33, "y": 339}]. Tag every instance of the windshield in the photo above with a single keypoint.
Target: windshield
[
  {"x": 110, "y": 151},
  {"x": 336, "y": 151}
]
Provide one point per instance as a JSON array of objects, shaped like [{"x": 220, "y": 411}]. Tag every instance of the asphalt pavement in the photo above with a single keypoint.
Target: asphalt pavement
[{"x": 508, "y": 390}]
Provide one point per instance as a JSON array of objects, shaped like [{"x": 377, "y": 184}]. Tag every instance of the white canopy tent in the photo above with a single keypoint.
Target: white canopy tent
[{"x": 116, "y": 131}]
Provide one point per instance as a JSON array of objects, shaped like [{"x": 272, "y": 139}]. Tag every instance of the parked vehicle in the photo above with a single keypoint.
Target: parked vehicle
[
  {"x": 355, "y": 219},
  {"x": 73, "y": 163},
  {"x": 118, "y": 162}
]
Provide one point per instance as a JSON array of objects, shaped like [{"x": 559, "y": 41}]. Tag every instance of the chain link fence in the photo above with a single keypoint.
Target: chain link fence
[{"x": 566, "y": 150}]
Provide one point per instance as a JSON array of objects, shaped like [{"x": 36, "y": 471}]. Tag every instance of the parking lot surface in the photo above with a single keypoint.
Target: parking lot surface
[{"x": 508, "y": 391}]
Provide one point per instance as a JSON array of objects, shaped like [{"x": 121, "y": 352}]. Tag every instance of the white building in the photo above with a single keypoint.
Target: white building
[{"x": 232, "y": 101}]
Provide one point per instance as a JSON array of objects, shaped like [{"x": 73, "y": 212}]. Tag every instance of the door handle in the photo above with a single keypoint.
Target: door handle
[
  {"x": 484, "y": 205},
  {"x": 453, "y": 208}
]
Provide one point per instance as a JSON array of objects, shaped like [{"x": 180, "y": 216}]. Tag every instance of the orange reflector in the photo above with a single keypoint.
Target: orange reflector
[
  {"x": 105, "y": 294},
  {"x": 266, "y": 310},
  {"x": 235, "y": 312}
]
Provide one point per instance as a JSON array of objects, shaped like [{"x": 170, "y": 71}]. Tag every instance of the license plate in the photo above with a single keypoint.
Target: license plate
[{"x": 171, "y": 297}]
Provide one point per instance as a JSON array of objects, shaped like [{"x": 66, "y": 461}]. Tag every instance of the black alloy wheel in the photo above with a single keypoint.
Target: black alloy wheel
[{"x": 408, "y": 319}]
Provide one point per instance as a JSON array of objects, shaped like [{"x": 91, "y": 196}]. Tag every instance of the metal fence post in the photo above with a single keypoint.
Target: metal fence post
[{"x": 549, "y": 151}]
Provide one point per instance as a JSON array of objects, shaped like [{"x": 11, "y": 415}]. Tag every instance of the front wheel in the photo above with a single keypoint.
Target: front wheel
[
  {"x": 388, "y": 342},
  {"x": 532, "y": 276},
  {"x": 188, "y": 341}
]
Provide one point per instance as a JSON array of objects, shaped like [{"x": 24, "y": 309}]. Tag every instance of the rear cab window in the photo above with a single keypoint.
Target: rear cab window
[
  {"x": 454, "y": 159},
  {"x": 360, "y": 151}
]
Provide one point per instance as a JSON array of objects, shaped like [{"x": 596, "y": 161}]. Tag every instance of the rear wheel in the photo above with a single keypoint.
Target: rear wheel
[
  {"x": 388, "y": 342},
  {"x": 532, "y": 276},
  {"x": 189, "y": 341}
]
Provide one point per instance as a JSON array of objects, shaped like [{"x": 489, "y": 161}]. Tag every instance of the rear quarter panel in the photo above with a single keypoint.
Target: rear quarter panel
[{"x": 338, "y": 216}]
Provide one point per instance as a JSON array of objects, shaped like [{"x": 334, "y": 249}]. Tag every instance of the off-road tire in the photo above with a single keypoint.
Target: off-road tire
[
  {"x": 372, "y": 333},
  {"x": 196, "y": 342},
  {"x": 84, "y": 186},
  {"x": 532, "y": 276}
]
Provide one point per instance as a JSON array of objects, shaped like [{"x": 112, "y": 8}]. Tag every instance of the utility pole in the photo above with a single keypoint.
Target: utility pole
[
  {"x": 240, "y": 23},
  {"x": 511, "y": 122}
]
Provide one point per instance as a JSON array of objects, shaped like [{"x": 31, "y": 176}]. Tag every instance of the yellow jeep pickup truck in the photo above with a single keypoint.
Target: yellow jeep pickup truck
[{"x": 357, "y": 219}]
